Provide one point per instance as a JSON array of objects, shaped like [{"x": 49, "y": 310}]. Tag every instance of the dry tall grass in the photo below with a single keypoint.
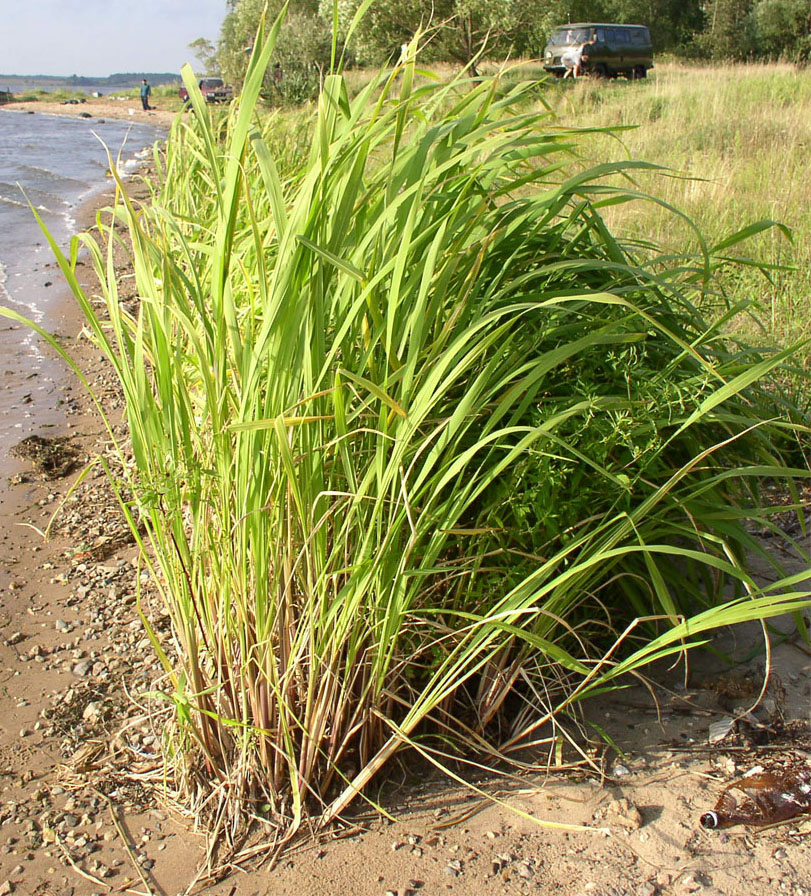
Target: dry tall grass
[{"x": 736, "y": 139}]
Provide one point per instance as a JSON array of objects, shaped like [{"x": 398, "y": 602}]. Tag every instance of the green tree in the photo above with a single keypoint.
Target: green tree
[
  {"x": 672, "y": 23},
  {"x": 302, "y": 50},
  {"x": 729, "y": 32},
  {"x": 783, "y": 28},
  {"x": 206, "y": 53},
  {"x": 237, "y": 37},
  {"x": 498, "y": 29},
  {"x": 461, "y": 30},
  {"x": 389, "y": 24}
]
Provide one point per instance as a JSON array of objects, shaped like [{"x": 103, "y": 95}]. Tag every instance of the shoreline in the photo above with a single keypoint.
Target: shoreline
[
  {"x": 58, "y": 164},
  {"x": 67, "y": 610},
  {"x": 97, "y": 107}
]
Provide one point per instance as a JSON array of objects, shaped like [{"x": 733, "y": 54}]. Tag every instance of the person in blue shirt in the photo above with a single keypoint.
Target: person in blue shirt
[{"x": 145, "y": 91}]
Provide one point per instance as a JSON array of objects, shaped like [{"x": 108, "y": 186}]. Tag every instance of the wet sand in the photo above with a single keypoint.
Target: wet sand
[
  {"x": 64, "y": 601},
  {"x": 128, "y": 109}
]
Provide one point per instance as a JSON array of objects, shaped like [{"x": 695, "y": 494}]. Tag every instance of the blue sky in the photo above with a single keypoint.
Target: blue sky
[{"x": 99, "y": 37}]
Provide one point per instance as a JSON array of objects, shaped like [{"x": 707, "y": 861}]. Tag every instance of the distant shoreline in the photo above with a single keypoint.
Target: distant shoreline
[{"x": 106, "y": 84}]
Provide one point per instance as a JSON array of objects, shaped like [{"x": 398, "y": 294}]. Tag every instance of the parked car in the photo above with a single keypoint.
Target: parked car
[
  {"x": 215, "y": 90},
  {"x": 600, "y": 49}
]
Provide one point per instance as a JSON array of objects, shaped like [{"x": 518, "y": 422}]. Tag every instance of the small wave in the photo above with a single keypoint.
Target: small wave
[
  {"x": 14, "y": 299},
  {"x": 61, "y": 179},
  {"x": 7, "y": 200},
  {"x": 40, "y": 207},
  {"x": 15, "y": 194},
  {"x": 128, "y": 168}
]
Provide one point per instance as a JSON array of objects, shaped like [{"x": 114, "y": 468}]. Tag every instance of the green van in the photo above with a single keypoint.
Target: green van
[{"x": 600, "y": 49}]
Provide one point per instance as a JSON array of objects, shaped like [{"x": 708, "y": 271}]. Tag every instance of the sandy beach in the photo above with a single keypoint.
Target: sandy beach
[
  {"x": 83, "y": 811},
  {"x": 66, "y": 600},
  {"x": 128, "y": 109}
]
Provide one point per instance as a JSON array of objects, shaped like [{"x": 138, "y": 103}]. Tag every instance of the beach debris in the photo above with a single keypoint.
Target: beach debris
[
  {"x": 720, "y": 729},
  {"x": 625, "y": 814},
  {"x": 453, "y": 868},
  {"x": 410, "y": 890},
  {"x": 762, "y": 797},
  {"x": 52, "y": 458},
  {"x": 83, "y": 668},
  {"x": 525, "y": 869},
  {"x": 93, "y": 711}
]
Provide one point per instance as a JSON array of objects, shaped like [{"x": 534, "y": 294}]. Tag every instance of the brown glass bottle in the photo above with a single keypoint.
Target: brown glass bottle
[{"x": 762, "y": 797}]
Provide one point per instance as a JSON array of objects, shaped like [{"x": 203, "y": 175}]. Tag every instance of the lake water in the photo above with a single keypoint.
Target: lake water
[{"x": 56, "y": 164}]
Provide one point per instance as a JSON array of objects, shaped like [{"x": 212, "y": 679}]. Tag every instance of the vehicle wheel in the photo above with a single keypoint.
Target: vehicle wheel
[
  {"x": 600, "y": 71},
  {"x": 639, "y": 72}
]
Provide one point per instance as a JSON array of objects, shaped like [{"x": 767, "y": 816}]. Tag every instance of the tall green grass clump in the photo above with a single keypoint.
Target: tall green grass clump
[{"x": 424, "y": 456}]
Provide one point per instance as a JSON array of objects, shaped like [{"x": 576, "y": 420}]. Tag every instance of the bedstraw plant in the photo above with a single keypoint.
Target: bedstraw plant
[{"x": 424, "y": 456}]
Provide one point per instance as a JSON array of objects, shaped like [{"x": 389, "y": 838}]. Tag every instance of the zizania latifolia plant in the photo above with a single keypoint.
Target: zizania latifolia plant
[{"x": 423, "y": 455}]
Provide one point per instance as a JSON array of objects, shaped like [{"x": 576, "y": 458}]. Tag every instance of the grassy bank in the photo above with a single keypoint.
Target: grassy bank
[
  {"x": 736, "y": 141},
  {"x": 54, "y": 96},
  {"x": 421, "y": 452}
]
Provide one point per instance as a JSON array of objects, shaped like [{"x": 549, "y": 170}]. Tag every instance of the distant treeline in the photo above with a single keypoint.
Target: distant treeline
[{"x": 120, "y": 79}]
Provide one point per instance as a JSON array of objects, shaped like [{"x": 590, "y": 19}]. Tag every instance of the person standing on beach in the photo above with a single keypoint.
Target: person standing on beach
[{"x": 145, "y": 91}]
